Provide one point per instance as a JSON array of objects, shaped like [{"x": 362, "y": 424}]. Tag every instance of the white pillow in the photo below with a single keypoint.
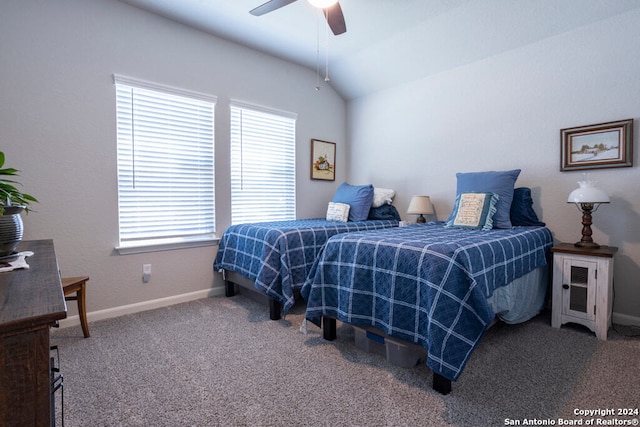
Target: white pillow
[
  {"x": 382, "y": 196},
  {"x": 338, "y": 212}
]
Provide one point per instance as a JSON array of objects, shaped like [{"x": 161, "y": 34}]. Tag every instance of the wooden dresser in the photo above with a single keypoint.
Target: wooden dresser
[{"x": 31, "y": 301}]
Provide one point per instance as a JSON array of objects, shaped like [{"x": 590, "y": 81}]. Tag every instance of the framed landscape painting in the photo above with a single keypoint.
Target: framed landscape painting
[
  {"x": 323, "y": 160},
  {"x": 603, "y": 145}
]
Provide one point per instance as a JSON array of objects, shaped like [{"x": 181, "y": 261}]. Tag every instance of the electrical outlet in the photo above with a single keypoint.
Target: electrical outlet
[{"x": 146, "y": 272}]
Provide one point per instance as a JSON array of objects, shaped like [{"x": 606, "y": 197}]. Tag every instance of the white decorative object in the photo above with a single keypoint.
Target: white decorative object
[
  {"x": 587, "y": 192},
  {"x": 338, "y": 212},
  {"x": 17, "y": 262}
]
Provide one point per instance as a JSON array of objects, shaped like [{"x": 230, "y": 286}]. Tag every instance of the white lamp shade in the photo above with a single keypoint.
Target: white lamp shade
[
  {"x": 588, "y": 193},
  {"x": 420, "y": 205}
]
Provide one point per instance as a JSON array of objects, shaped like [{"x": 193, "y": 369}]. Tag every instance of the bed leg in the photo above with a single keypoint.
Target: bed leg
[
  {"x": 328, "y": 328},
  {"x": 441, "y": 384},
  {"x": 275, "y": 308},
  {"x": 229, "y": 289}
]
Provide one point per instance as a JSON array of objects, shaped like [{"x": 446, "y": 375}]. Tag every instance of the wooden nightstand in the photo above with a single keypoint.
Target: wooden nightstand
[{"x": 582, "y": 287}]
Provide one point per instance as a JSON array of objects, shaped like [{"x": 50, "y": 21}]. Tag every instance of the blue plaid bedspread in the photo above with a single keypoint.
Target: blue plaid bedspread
[
  {"x": 423, "y": 283},
  {"x": 278, "y": 255}
]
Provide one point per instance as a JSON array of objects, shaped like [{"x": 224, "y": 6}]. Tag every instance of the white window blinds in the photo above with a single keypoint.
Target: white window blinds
[
  {"x": 263, "y": 185},
  {"x": 165, "y": 164}
]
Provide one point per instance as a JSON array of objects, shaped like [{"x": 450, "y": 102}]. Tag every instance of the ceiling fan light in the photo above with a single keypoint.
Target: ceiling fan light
[{"x": 323, "y": 4}]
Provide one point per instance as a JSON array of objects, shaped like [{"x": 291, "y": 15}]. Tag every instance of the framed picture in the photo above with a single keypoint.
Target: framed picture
[
  {"x": 603, "y": 145},
  {"x": 323, "y": 160}
]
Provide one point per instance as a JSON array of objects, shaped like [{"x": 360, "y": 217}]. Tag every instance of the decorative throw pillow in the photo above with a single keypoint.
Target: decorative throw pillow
[
  {"x": 384, "y": 212},
  {"x": 522, "y": 212},
  {"x": 473, "y": 211},
  {"x": 382, "y": 196},
  {"x": 338, "y": 212},
  {"x": 358, "y": 197},
  {"x": 498, "y": 182}
]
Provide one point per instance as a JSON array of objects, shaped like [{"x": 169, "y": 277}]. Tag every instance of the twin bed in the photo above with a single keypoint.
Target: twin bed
[
  {"x": 275, "y": 258},
  {"x": 427, "y": 284},
  {"x": 439, "y": 285}
]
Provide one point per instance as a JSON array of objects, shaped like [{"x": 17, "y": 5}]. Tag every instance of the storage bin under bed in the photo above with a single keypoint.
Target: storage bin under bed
[{"x": 399, "y": 352}]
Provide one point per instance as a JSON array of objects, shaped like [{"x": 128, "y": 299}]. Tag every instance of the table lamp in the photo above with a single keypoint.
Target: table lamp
[
  {"x": 587, "y": 198},
  {"x": 420, "y": 205}
]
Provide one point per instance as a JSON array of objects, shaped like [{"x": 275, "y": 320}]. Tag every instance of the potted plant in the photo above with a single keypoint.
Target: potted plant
[{"x": 12, "y": 203}]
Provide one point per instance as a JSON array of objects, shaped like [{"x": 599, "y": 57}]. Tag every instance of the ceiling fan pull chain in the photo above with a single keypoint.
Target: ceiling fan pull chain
[
  {"x": 317, "y": 55},
  {"x": 326, "y": 33}
]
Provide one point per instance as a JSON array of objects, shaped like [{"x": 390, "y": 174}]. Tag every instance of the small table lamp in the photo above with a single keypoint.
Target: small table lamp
[
  {"x": 587, "y": 198},
  {"x": 420, "y": 205}
]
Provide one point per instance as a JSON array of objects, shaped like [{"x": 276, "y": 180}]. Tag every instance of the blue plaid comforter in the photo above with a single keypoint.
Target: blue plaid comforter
[
  {"x": 424, "y": 283},
  {"x": 278, "y": 255}
]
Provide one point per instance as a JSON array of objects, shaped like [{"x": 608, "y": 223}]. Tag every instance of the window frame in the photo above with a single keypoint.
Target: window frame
[
  {"x": 186, "y": 240},
  {"x": 262, "y": 113}
]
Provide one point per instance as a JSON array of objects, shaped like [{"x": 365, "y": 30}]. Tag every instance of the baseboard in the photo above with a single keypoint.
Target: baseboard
[
  {"x": 625, "y": 319},
  {"x": 141, "y": 306},
  {"x": 618, "y": 318}
]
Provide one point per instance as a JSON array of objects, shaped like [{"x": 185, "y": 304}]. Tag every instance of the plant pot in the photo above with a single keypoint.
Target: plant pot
[{"x": 10, "y": 229}]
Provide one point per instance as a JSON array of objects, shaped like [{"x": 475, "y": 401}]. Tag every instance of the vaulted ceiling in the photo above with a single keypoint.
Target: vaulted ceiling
[{"x": 388, "y": 42}]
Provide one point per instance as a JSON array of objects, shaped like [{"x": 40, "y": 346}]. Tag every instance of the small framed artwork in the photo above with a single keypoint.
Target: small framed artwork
[
  {"x": 603, "y": 145},
  {"x": 323, "y": 160}
]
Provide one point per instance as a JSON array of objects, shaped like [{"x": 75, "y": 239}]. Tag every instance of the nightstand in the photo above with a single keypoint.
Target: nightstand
[{"x": 583, "y": 287}]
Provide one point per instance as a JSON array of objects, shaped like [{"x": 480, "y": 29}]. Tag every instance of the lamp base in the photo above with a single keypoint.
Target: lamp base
[
  {"x": 592, "y": 245},
  {"x": 421, "y": 219},
  {"x": 586, "y": 241}
]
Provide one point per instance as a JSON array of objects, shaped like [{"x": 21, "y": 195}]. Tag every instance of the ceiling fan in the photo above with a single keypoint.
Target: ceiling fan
[{"x": 331, "y": 9}]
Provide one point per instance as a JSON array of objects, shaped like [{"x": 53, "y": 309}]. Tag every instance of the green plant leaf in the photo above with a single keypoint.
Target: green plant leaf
[
  {"x": 9, "y": 193},
  {"x": 9, "y": 171}
]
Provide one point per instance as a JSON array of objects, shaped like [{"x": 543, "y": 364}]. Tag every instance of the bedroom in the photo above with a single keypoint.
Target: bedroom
[{"x": 496, "y": 113}]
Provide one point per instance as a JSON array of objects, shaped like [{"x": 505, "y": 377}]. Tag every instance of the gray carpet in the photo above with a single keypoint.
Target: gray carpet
[{"x": 222, "y": 362}]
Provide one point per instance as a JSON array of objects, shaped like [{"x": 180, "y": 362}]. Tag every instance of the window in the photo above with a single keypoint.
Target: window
[
  {"x": 165, "y": 166},
  {"x": 263, "y": 184}
]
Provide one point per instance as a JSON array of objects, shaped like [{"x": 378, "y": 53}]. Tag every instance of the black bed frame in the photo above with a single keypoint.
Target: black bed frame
[
  {"x": 231, "y": 278},
  {"x": 440, "y": 384}
]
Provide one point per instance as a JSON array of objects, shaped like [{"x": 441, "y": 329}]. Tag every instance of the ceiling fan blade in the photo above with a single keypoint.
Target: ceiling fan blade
[
  {"x": 335, "y": 19},
  {"x": 270, "y": 6}
]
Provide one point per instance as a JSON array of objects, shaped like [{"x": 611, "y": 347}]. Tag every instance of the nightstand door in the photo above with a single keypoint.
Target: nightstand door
[{"x": 579, "y": 280}]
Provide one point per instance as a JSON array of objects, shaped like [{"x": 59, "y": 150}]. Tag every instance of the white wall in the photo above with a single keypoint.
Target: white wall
[
  {"x": 506, "y": 112},
  {"x": 57, "y": 119},
  {"x": 57, "y": 125}
]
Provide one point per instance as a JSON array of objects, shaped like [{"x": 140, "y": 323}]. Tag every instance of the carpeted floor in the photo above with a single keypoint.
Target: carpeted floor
[{"x": 222, "y": 362}]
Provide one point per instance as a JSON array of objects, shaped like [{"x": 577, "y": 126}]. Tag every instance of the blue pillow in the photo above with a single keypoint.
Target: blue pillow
[
  {"x": 498, "y": 182},
  {"x": 522, "y": 212},
  {"x": 358, "y": 197},
  {"x": 473, "y": 211}
]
